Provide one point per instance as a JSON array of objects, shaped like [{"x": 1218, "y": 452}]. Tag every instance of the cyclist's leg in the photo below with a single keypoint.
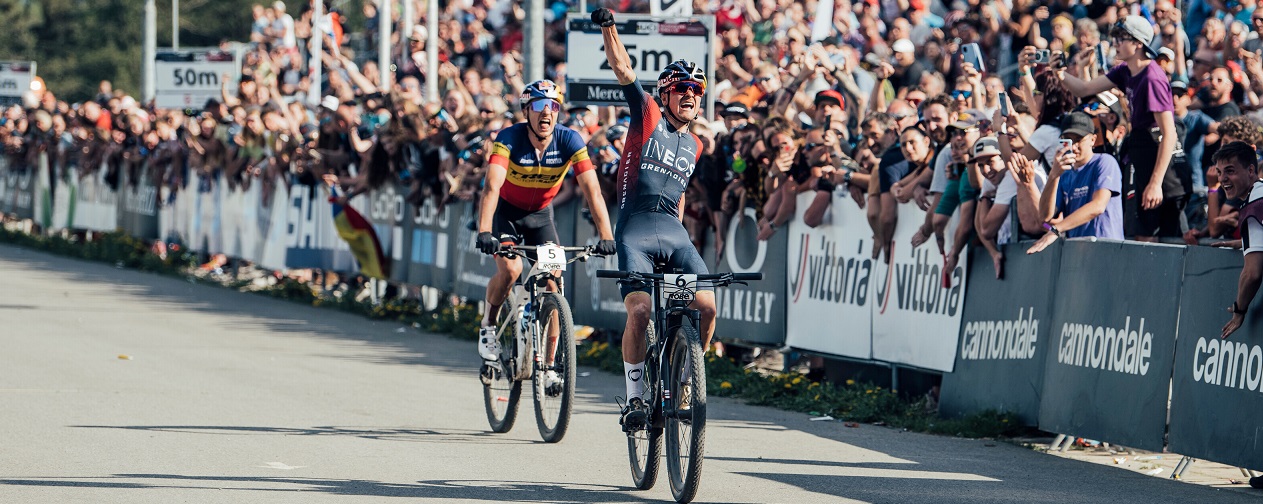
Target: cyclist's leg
[
  {"x": 638, "y": 300},
  {"x": 507, "y": 270},
  {"x": 537, "y": 229},
  {"x": 685, "y": 257}
]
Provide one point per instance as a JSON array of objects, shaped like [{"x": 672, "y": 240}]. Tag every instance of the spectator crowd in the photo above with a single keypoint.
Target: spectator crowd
[{"x": 1031, "y": 120}]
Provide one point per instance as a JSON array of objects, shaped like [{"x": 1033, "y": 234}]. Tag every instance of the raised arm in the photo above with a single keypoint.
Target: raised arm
[{"x": 615, "y": 53}]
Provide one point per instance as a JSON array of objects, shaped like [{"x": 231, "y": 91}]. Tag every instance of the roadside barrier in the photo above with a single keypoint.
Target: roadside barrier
[{"x": 1080, "y": 339}]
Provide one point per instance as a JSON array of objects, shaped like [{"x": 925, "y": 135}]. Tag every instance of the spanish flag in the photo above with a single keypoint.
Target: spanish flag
[{"x": 359, "y": 234}]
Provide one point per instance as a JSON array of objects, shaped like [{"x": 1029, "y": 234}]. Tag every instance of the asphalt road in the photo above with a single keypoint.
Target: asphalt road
[{"x": 231, "y": 397}]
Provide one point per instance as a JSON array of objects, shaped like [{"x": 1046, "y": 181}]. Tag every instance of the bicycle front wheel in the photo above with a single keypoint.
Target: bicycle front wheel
[
  {"x": 500, "y": 391},
  {"x": 554, "y": 385},
  {"x": 644, "y": 446},
  {"x": 685, "y": 414}
]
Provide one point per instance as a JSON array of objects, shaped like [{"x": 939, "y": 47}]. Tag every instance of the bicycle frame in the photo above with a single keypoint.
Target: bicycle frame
[{"x": 523, "y": 300}]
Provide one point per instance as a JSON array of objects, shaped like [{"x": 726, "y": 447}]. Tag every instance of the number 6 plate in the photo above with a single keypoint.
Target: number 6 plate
[
  {"x": 550, "y": 258},
  {"x": 678, "y": 288}
]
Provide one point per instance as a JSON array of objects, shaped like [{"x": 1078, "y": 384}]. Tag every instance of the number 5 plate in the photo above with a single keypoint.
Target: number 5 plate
[
  {"x": 550, "y": 258},
  {"x": 678, "y": 288}
]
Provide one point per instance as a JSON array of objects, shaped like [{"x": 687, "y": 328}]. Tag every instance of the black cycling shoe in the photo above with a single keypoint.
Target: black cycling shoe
[{"x": 635, "y": 415}]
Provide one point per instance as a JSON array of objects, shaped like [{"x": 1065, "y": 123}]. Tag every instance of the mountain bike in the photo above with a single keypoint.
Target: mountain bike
[
  {"x": 675, "y": 380},
  {"x": 534, "y": 326}
]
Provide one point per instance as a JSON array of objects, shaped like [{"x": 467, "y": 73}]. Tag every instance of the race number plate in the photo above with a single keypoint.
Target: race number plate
[
  {"x": 550, "y": 258},
  {"x": 678, "y": 288}
]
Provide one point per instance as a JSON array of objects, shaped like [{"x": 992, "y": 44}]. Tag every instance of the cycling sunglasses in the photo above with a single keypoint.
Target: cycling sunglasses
[
  {"x": 958, "y": 94},
  {"x": 696, "y": 88},
  {"x": 542, "y": 105}
]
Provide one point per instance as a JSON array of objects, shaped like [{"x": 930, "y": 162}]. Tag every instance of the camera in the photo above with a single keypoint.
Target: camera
[{"x": 1042, "y": 56}]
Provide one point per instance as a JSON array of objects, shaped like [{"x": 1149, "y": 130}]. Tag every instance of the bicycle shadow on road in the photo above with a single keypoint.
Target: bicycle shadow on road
[
  {"x": 455, "y": 490},
  {"x": 405, "y": 434}
]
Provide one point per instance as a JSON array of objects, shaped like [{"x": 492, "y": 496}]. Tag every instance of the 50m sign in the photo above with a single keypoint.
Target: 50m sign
[{"x": 187, "y": 79}]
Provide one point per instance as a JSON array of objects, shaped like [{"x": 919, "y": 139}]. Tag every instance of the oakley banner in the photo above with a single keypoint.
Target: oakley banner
[
  {"x": 1112, "y": 342},
  {"x": 388, "y": 212},
  {"x": 753, "y": 313},
  {"x": 473, "y": 269},
  {"x": 594, "y": 301}
]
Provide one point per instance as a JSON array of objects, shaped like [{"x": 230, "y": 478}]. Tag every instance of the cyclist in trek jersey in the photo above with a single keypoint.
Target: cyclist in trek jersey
[
  {"x": 658, "y": 160},
  {"x": 528, "y": 163}
]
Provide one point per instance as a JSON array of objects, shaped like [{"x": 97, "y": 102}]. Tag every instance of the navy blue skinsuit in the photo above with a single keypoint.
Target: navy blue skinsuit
[{"x": 652, "y": 177}]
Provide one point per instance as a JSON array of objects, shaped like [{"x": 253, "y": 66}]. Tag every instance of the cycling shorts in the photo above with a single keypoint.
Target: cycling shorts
[
  {"x": 650, "y": 237},
  {"x": 515, "y": 226}
]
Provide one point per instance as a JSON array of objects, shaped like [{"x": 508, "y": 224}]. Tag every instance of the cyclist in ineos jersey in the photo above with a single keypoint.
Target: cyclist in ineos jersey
[
  {"x": 658, "y": 160},
  {"x": 528, "y": 163}
]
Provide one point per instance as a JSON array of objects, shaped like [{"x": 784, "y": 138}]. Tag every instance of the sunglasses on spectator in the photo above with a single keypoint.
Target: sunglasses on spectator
[
  {"x": 542, "y": 105},
  {"x": 486, "y": 111},
  {"x": 695, "y": 88},
  {"x": 958, "y": 94},
  {"x": 811, "y": 145}
]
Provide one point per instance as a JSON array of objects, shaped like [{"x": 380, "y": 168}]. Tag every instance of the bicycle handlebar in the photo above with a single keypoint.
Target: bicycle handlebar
[
  {"x": 623, "y": 275},
  {"x": 531, "y": 248}
]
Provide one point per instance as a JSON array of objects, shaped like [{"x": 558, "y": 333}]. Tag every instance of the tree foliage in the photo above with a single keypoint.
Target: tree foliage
[{"x": 78, "y": 43}]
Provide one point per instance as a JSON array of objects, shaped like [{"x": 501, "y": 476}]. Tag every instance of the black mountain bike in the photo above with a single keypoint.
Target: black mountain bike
[
  {"x": 524, "y": 324},
  {"x": 675, "y": 378}
]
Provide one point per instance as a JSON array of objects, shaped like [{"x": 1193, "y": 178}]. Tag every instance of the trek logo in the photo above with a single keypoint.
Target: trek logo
[
  {"x": 827, "y": 275},
  {"x": 917, "y": 285},
  {"x": 538, "y": 177}
]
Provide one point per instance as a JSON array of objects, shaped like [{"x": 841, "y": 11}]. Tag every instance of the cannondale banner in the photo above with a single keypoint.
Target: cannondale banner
[
  {"x": 1215, "y": 393},
  {"x": 1004, "y": 336},
  {"x": 1108, "y": 369}
]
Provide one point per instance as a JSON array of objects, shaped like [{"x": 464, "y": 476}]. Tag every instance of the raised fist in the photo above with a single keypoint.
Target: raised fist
[{"x": 603, "y": 17}]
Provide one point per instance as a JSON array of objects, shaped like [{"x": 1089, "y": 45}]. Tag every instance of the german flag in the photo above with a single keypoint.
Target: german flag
[{"x": 359, "y": 234}]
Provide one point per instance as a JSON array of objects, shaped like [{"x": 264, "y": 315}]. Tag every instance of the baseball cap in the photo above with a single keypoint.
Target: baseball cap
[
  {"x": 1138, "y": 28},
  {"x": 985, "y": 146},
  {"x": 419, "y": 32},
  {"x": 1167, "y": 53},
  {"x": 615, "y": 132},
  {"x": 736, "y": 108},
  {"x": 830, "y": 94},
  {"x": 1078, "y": 123},
  {"x": 968, "y": 119},
  {"x": 1179, "y": 86},
  {"x": 906, "y": 46},
  {"x": 330, "y": 102}
]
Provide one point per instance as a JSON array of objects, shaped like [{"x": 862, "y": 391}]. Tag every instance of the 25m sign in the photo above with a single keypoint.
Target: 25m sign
[{"x": 652, "y": 42}]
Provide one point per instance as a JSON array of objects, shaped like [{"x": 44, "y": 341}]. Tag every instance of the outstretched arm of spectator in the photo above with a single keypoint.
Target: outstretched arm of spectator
[
  {"x": 888, "y": 219},
  {"x": 814, "y": 214},
  {"x": 1081, "y": 88},
  {"x": 230, "y": 101},
  {"x": 1152, "y": 196},
  {"x": 1028, "y": 194},
  {"x": 357, "y": 77},
  {"x": 615, "y": 53},
  {"x": 877, "y": 102}
]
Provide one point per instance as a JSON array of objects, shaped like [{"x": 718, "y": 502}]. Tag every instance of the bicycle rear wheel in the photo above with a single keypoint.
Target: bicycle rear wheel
[
  {"x": 500, "y": 392},
  {"x": 685, "y": 414},
  {"x": 553, "y": 403}
]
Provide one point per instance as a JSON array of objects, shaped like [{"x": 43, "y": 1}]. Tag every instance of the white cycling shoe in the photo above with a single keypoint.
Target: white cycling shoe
[{"x": 488, "y": 344}]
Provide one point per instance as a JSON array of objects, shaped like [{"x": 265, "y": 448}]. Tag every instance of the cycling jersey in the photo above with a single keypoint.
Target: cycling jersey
[
  {"x": 657, "y": 160},
  {"x": 657, "y": 163},
  {"x": 532, "y": 182}
]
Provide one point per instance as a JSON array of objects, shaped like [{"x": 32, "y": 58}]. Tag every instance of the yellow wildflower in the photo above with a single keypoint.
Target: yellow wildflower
[
  {"x": 725, "y": 385},
  {"x": 850, "y": 382}
]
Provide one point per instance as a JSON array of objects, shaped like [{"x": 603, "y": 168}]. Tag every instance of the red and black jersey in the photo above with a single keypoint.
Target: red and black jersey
[{"x": 658, "y": 160}]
